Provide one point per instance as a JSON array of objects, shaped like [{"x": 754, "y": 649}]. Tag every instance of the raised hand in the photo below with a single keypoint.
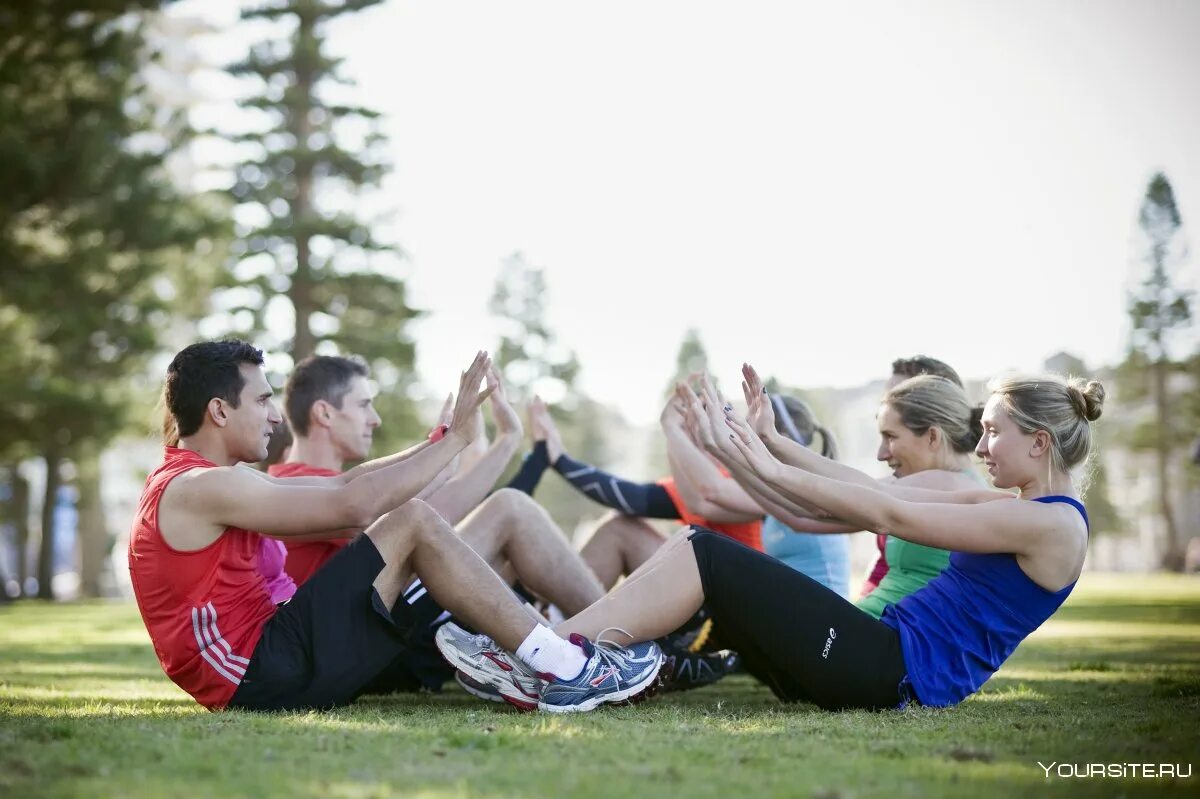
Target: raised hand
[
  {"x": 695, "y": 421},
  {"x": 672, "y": 413},
  {"x": 751, "y": 448},
  {"x": 503, "y": 413},
  {"x": 462, "y": 418},
  {"x": 716, "y": 409},
  {"x": 542, "y": 428},
  {"x": 447, "y": 412},
  {"x": 760, "y": 413}
]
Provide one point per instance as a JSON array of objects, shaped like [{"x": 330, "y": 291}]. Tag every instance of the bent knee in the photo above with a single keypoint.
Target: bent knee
[
  {"x": 412, "y": 516},
  {"x": 510, "y": 501}
]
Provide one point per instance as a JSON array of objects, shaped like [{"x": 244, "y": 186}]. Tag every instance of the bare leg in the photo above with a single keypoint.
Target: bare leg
[
  {"x": 655, "y": 600},
  {"x": 415, "y": 541},
  {"x": 618, "y": 546},
  {"x": 509, "y": 528}
]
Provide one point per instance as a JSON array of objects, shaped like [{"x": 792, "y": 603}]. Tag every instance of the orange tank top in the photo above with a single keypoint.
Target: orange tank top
[
  {"x": 204, "y": 609},
  {"x": 305, "y": 557},
  {"x": 749, "y": 533}
]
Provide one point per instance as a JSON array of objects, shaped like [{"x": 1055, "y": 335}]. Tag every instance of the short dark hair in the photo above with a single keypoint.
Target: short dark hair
[
  {"x": 200, "y": 372},
  {"x": 924, "y": 365},
  {"x": 318, "y": 377}
]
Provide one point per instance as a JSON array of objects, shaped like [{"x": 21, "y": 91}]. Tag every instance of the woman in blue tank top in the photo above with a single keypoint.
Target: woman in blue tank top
[{"x": 1015, "y": 558}]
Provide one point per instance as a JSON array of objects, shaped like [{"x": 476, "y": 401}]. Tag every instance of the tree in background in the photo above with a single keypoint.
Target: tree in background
[
  {"x": 91, "y": 230},
  {"x": 532, "y": 362},
  {"x": 691, "y": 358},
  {"x": 1158, "y": 309},
  {"x": 529, "y": 357},
  {"x": 301, "y": 246}
]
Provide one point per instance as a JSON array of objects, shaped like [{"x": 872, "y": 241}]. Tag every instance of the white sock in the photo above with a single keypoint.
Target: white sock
[{"x": 546, "y": 653}]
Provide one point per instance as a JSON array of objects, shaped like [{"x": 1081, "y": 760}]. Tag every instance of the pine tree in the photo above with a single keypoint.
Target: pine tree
[
  {"x": 310, "y": 161},
  {"x": 92, "y": 229},
  {"x": 1158, "y": 309},
  {"x": 533, "y": 362},
  {"x": 529, "y": 356}
]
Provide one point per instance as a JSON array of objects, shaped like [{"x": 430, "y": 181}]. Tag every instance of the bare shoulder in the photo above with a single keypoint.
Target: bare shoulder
[
  {"x": 1055, "y": 559},
  {"x": 186, "y": 508},
  {"x": 199, "y": 487}
]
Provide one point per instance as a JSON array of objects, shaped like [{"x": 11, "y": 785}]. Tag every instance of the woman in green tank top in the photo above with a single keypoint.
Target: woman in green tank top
[{"x": 927, "y": 430}]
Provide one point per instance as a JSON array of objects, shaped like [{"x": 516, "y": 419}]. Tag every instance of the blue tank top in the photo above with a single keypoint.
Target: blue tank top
[
  {"x": 825, "y": 558},
  {"x": 957, "y": 630}
]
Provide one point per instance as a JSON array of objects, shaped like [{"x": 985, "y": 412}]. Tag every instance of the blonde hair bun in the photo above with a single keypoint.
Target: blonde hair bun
[{"x": 1087, "y": 397}]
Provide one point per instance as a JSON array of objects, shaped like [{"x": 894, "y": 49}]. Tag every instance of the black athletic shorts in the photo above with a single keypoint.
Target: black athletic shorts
[
  {"x": 326, "y": 645},
  {"x": 420, "y": 667},
  {"x": 802, "y": 640}
]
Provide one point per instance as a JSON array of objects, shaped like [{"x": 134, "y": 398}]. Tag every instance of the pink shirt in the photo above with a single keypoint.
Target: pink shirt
[{"x": 271, "y": 556}]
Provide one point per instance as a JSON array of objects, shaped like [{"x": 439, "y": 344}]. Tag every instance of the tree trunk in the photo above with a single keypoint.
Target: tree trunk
[
  {"x": 45, "y": 568},
  {"x": 300, "y": 293},
  {"x": 1173, "y": 559},
  {"x": 93, "y": 532},
  {"x": 20, "y": 511}
]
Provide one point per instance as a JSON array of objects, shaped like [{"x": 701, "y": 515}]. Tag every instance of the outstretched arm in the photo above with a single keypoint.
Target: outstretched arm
[
  {"x": 704, "y": 490},
  {"x": 701, "y": 431},
  {"x": 952, "y": 523},
  {"x": 793, "y": 454},
  {"x": 461, "y": 493},
  {"x": 647, "y": 500},
  {"x": 200, "y": 504}
]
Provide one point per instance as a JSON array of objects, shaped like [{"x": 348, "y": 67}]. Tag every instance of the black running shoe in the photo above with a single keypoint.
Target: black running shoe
[{"x": 683, "y": 670}]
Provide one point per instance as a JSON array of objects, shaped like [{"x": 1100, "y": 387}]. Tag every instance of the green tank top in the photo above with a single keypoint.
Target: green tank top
[{"x": 910, "y": 567}]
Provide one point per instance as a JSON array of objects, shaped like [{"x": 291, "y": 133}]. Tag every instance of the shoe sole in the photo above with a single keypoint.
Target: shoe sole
[
  {"x": 510, "y": 693},
  {"x": 475, "y": 692},
  {"x": 628, "y": 696}
]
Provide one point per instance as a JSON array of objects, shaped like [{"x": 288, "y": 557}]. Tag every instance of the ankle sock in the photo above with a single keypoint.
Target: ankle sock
[{"x": 546, "y": 653}]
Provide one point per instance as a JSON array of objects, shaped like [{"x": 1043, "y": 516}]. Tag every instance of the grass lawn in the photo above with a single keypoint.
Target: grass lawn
[{"x": 1113, "y": 678}]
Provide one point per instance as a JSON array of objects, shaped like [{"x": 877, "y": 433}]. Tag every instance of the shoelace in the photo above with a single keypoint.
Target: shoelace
[
  {"x": 600, "y": 639},
  {"x": 611, "y": 653}
]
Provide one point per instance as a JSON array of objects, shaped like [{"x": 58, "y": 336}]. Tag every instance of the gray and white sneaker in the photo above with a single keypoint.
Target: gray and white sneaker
[{"x": 481, "y": 659}]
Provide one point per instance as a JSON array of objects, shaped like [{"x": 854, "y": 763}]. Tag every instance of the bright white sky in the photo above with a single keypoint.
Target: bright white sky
[{"x": 817, "y": 187}]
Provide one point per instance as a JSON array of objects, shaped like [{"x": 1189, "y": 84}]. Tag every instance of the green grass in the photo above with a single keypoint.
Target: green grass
[{"x": 1114, "y": 677}]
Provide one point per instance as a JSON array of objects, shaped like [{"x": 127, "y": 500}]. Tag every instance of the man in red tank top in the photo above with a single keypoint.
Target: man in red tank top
[
  {"x": 194, "y": 547},
  {"x": 329, "y": 409}
]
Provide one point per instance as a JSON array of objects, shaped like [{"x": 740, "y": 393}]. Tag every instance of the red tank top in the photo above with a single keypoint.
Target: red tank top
[
  {"x": 305, "y": 557},
  {"x": 749, "y": 533},
  {"x": 205, "y": 609}
]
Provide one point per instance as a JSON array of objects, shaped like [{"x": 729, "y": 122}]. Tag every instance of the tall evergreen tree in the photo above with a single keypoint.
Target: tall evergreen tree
[
  {"x": 533, "y": 362},
  {"x": 1158, "y": 308},
  {"x": 691, "y": 358},
  {"x": 529, "y": 355},
  {"x": 310, "y": 160},
  {"x": 91, "y": 229}
]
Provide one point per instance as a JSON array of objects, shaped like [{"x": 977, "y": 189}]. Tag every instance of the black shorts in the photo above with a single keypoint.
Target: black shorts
[
  {"x": 420, "y": 667},
  {"x": 802, "y": 640},
  {"x": 335, "y": 636}
]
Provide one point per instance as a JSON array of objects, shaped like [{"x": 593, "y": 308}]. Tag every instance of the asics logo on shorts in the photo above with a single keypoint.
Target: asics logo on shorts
[{"x": 829, "y": 643}]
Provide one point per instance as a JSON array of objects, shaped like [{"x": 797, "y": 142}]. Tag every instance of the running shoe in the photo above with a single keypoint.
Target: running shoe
[
  {"x": 683, "y": 670},
  {"x": 481, "y": 659},
  {"x": 612, "y": 674}
]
